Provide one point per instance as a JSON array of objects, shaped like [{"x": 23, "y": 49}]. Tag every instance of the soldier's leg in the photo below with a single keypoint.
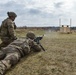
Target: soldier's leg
[
  {"x": 11, "y": 59},
  {"x": 4, "y": 66},
  {"x": 4, "y": 44},
  {"x": 2, "y": 54}
]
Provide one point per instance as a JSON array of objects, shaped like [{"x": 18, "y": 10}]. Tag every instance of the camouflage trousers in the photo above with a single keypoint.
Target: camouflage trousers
[
  {"x": 5, "y": 42},
  {"x": 9, "y": 60}
]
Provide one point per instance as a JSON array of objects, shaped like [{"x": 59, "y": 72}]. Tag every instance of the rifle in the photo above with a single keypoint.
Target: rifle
[{"x": 37, "y": 40}]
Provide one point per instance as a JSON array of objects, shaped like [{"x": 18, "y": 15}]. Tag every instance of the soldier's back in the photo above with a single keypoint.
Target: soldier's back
[
  {"x": 19, "y": 42},
  {"x": 4, "y": 27}
]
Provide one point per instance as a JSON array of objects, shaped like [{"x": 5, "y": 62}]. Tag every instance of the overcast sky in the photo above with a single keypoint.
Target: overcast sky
[{"x": 40, "y": 12}]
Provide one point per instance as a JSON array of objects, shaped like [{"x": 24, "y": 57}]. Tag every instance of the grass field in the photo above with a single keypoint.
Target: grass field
[{"x": 58, "y": 59}]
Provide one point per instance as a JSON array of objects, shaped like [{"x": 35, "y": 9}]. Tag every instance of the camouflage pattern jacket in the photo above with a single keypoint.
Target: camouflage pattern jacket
[
  {"x": 22, "y": 46},
  {"x": 7, "y": 29}
]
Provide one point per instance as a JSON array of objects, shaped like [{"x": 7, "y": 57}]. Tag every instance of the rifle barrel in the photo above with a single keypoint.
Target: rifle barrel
[{"x": 42, "y": 47}]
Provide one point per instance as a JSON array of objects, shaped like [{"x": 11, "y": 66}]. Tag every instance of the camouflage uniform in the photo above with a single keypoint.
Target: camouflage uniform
[
  {"x": 7, "y": 30},
  {"x": 15, "y": 51}
]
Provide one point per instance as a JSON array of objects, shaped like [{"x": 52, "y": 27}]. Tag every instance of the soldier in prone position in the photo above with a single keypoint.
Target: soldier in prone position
[{"x": 11, "y": 54}]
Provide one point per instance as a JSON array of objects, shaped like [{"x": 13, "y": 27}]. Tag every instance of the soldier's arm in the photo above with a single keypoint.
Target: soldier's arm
[
  {"x": 11, "y": 32},
  {"x": 34, "y": 46},
  {"x": 15, "y": 26}
]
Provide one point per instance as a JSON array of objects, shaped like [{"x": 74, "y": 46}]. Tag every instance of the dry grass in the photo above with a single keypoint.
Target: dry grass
[{"x": 58, "y": 59}]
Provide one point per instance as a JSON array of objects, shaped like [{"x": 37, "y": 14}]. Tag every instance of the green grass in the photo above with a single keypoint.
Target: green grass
[{"x": 58, "y": 59}]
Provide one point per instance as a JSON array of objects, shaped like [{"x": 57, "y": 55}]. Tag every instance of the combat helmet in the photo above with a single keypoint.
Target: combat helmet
[
  {"x": 11, "y": 14},
  {"x": 30, "y": 35}
]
